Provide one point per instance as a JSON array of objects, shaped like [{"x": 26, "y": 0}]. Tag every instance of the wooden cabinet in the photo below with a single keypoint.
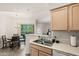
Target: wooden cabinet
[
  {"x": 34, "y": 52},
  {"x": 59, "y": 19},
  {"x": 66, "y": 17},
  {"x": 37, "y": 50},
  {"x": 74, "y": 17},
  {"x": 43, "y": 54}
]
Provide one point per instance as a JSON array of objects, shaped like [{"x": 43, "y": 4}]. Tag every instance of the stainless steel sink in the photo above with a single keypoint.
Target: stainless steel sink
[{"x": 44, "y": 42}]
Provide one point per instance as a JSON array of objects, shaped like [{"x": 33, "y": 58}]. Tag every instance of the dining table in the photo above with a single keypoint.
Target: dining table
[{"x": 14, "y": 41}]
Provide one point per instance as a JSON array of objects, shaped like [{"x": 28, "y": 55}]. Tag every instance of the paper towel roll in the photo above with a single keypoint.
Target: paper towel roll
[{"x": 73, "y": 41}]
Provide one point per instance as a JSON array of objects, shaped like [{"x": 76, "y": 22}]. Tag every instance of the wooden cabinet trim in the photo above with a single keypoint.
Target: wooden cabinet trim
[
  {"x": 64, "y": 6},
  {"x": 58, "y": 9}
]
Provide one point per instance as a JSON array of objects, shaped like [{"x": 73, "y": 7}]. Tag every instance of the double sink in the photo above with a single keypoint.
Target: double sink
[{"x": 44, "y": 42}]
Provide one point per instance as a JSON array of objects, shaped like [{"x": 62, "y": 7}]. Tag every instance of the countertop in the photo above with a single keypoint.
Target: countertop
[
  {"x": 38, "y": 35},
  {"x": 62, "y": 47}
]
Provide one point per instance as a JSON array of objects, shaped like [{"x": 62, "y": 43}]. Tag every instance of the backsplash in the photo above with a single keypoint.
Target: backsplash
[{"x": 64, "y": 36}]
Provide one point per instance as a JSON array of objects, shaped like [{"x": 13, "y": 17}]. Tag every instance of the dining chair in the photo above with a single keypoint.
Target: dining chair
[
  {"x": 6, "y": 42},
  {"x": 23, "y": 38}
]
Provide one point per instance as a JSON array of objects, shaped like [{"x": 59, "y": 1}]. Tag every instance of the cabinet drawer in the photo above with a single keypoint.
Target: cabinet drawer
[
  {"x": 43, "y": 54},
  {"x": 46, "y": 50}
]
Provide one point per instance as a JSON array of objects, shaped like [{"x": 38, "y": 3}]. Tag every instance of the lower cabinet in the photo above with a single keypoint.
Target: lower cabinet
[
  {"x": 43, "y": 54},
  {"x": 37, "y": 50},
  {"x": 34, "y": 52}
]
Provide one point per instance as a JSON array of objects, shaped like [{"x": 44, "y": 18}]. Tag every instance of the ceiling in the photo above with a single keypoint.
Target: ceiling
[
  {"x": 39, "y": 10},
  {"x": 22, "y": 7},
  {"x": 28, "y": 6}
]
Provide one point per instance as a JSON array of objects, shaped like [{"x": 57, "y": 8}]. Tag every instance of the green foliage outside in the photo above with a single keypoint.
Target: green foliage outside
[{"x": 27, "y": 29}]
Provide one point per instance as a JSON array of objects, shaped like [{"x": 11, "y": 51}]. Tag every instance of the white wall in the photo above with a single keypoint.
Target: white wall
[
  {"x": 39, "y": 28},
  {"x": 9, "y": 22},
  {"x": 42, "y": 28},
  {"x": 2, "y": 24},
  {"x": 45, "y": 27}
]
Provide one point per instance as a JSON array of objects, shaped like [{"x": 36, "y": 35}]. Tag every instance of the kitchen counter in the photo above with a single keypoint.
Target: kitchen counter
[
  {"x": 33, "y": 37},
  {"x": 38, "y": 35},
  {"x": 62, "y": 47},
  {"x": 66, "y": 48}
]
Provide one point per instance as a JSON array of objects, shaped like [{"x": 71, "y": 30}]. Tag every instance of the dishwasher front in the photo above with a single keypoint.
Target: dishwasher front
[{"x": 61, "y": 53}]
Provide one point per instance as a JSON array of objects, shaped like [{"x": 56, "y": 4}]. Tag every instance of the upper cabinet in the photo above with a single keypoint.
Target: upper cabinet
[
  {"x": 74, "y": 17},
  {"x": 65, "y": 18},
  {"x": 59, "y": 19}
]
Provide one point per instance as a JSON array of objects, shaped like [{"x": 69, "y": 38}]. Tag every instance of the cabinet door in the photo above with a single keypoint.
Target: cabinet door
[
  {"x": 43, "y": 54},
  {"x": 59, "y": 19},
  {"x": 74, "y": 17},
  {"x": 34, "y": 52},
  {"x": 45, "y": 49}
]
